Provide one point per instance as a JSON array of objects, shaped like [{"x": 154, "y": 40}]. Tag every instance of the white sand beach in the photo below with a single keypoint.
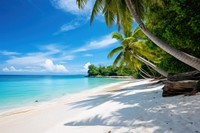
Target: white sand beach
[{"x": 125, "y": 107}]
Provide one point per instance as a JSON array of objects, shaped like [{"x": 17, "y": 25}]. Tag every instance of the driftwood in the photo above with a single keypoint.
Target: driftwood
[
  {"x": 183, "y": 83},
  {"x": 172, "y": 88},
  {"x": 196, "y": 89}
]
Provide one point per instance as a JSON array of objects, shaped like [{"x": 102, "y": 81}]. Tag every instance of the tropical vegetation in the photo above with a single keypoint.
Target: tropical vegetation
[
  {"x": 110, "y": 71},
  {"x": 178, "y": 24},
  {"x": 134, "y": 45},
  {"x": 172, "y": 28}
]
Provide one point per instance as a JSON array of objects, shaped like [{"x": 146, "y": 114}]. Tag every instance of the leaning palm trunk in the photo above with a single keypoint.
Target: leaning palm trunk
[
  {"x": 184, "y": 57},
  {"x": 151, "y": 71},
  {"x": 143, "y": 76},
  {"x": 162, "y": 72},
  {"x": 145, "y": 73}
]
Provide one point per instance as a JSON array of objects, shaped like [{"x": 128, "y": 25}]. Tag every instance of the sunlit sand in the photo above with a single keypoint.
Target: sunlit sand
[{"x": 125, "y": 107}]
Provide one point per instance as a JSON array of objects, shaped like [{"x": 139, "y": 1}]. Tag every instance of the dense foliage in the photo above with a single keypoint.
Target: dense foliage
[
  {"x": 178, "y": 23},
  {"x": 110, "y": 71}
]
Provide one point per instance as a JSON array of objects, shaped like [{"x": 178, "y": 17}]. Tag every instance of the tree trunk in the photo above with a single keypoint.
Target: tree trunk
[
  {"x": 162, "y": 72},
  {"x": 143, "y": 76},
  {"x": 183, "y": 83},
  {"x": 172, "y": 88},
  {"x": 145, "y": 73},
  {"x": 184, "y": 57},
  {"x": 152, "y": 72},
  {"x": 194, "y": 75},
  {"x": 197, "y": 87}
]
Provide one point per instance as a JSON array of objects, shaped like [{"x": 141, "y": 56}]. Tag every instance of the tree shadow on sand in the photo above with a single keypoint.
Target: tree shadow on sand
[
  {"x": 138, "y": 107},
  {"x": 94, "y": 101}
]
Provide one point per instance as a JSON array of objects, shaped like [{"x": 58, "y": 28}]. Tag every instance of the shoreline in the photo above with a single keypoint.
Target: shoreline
[
  {"x": 59, "y": 99},
  {"x": 120, "y": 77},
  {"x": 125, "y": 107}
]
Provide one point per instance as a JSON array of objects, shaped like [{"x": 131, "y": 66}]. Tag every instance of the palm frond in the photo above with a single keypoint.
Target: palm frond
[
  {"x": 127, "y": 22},
  {"x": 124, "y": 19},
  {"x": 122, "y": 62},
  {"x": 139, "y": 7},
  {"x": 140, "y": 48},
  {"x": 137, "y": 33},
  {"x": 81, "y": 3},
  {"x": 109, "y": 17},
  {"x": 117, "y": 60},
  {"x": 128, "y": 41},
  {"x": 133, "y": 63},
  {"x": 117, "y": 36},
  {"x": 114, "y": 51},
  {"x": 98, "y": 6},
  {"x": 118, "y": 8},
  {"x": 109, "y": 13},
  {"x": 160, "y": 3}
]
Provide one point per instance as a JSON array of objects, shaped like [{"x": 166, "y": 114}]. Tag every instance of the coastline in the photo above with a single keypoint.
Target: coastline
[
  {"x": 125, "y": 107},
  {"x": 62, "y": 98},
  {"x": 120, "y": 77},
  {"x": 45, "y": 89}
]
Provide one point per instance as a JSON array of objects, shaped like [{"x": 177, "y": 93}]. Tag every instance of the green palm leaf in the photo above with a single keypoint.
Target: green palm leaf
[
  {"x": 117, "y": 36},
  {"x": 137, "y": 33},
  {"x": 81, "y": 3},
  {"x": 109, "y": 18},
  {"x": 114, "y": 51},
  {"x": 98, "y": 6},
  {"x": 128, "y": 41},
  {"x": 117, "y": 60}
]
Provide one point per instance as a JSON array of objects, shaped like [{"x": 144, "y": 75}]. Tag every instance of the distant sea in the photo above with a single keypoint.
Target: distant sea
[{"x": 17, "y": 90}]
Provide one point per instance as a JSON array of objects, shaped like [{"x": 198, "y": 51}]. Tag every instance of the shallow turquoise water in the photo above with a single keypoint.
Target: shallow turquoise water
[{"x": 17, "y": 91}]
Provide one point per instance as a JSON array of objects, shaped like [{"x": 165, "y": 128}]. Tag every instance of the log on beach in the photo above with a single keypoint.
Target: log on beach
[
  {"x": 183, "y": 83},
  {"x": 173, "y": 88},
  {"x": 194, "y": 75}
]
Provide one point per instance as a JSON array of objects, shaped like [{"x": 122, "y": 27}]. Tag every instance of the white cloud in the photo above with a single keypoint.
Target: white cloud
[
  {"x": 100, "y": 43},
  {"x": 8, "y": 53},
  {"x": 27, "y": 60},
  {"x": 38, "y": 58},
  {"x": 11, "y": 69},
  {"x": 64, "y": 58},
  {"x": 50, "y": 66},
  {"x": 51, "y": 47},
  {"x": 5, "y": 69},
  {"x": 34, "y": 62},
  {"x": 88, "y": 55},
  {"x": 74, "y": 24},
  {"x": 82, "y": 15},
  {"x": 68, "y": 27},
  {"x": 85, "y": 67},
  {"x": 71, "y": 7},
  {"x": 25, "y": 69},
  {"x": 104, "y": 42}
]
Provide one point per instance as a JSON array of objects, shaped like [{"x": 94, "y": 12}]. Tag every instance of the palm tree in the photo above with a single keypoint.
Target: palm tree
[
  {"x": 130, "y": 51},
  {"x": 120, "y": 10}
]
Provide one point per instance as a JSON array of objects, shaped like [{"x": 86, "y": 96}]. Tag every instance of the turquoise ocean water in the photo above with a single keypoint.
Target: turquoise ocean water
[{"x": 18, "y": 91}]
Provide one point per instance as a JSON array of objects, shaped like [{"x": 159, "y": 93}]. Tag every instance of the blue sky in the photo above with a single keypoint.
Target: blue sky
[{"x": 51, "y": 37}]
